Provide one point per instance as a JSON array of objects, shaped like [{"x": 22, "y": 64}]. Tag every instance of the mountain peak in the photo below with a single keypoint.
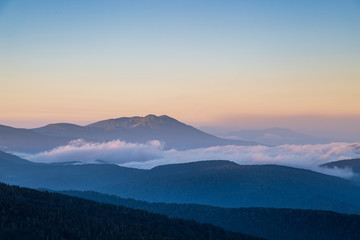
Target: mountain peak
[
  {"x": 150, "y": 121},
  {"x": 151, "y": 116}
]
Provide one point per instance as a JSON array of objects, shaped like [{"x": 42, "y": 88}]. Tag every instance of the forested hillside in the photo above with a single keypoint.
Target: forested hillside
[
  {"x": 30, "y": 214},
  {"x": 271, "y": 223}
]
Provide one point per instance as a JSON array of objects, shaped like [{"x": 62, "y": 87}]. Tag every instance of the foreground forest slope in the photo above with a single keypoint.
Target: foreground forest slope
[
  {"x": 31, "y": 214},
  {"x": 271, "y": 223}
]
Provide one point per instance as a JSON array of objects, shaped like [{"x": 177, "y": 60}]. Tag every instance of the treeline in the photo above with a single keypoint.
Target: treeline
[
  {"x": 271, "y": 223},
  {"x": 30, "y": 214}
]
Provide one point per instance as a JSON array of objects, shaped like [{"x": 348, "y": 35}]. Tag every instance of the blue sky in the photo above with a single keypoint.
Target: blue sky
[{"x": 179, "y": 28}]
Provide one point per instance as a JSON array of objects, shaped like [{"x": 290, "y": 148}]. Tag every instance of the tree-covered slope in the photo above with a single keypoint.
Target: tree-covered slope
[
  {"x": 31, "y": 214},
  {"x": 271, "y": 223}
]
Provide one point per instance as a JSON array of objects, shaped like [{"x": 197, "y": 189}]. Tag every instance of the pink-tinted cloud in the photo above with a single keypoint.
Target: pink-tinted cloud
[
  {"x": 152, "y": 154},
  {"x": 116, "y": 152}
]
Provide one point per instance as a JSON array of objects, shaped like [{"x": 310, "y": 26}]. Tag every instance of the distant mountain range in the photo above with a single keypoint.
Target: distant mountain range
[
  {"x": 32, "y": 215},
  {"x": 270, "y": 223},
  {"x": 353, "y": 164},
  {"x": 275, "y": 136},
  {"x": 216, "y": 183},
  {"x": 171, "y": 132}
]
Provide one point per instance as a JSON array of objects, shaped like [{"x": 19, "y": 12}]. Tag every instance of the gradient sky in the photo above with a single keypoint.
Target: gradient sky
[{"x": 203, "y": 62}]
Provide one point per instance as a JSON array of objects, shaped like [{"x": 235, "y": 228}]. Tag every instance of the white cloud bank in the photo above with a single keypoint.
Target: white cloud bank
[
  {"x": 152, "y": 154},
  {"x": 117, "y": 152}
]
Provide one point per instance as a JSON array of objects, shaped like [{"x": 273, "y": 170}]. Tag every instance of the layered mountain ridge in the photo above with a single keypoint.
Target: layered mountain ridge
[{"x": 216, "y": 183}]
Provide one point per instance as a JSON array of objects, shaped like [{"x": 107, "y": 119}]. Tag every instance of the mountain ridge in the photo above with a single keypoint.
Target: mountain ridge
[
  {"x": 173, "y": 133},
  {"x": 275, "y": 136},
  {"x": 28, "y": 140}
]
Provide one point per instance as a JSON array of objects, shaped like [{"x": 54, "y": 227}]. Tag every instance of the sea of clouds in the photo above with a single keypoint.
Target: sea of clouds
[{"x": 152, "y": 154}]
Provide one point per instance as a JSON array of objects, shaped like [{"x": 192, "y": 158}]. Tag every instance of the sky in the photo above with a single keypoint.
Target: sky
[{"x": 234, "y": 63}]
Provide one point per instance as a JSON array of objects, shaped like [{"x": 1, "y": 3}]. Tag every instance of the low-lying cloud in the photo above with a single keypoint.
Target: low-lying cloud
[
  {"x": 117, "y": 152},
  {"x": 152, "y": 154}
]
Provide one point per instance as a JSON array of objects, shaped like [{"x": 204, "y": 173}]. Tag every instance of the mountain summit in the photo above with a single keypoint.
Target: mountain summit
[
  {"x": 172, "y": 132},
  {"x": 149, "y": 121}
]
